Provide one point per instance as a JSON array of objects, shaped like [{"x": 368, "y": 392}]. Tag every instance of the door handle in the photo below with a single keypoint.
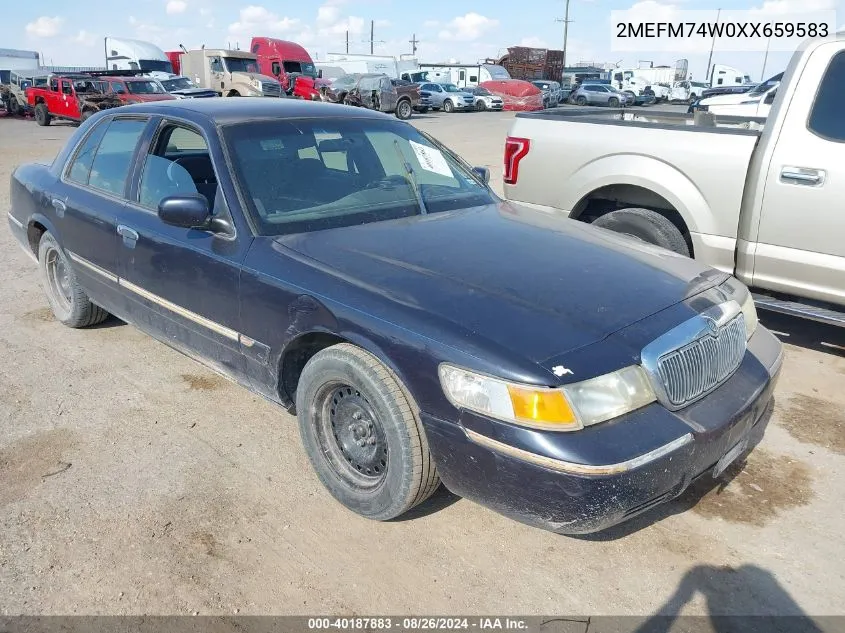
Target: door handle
[
  {"x": 802, "y": 176},
  {"x": 130, "y": 236},
  {"x": 60, "y": 207}
]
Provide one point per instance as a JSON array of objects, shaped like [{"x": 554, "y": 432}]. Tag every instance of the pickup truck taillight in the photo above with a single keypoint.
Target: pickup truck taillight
[{"x": 515, "y": 150}]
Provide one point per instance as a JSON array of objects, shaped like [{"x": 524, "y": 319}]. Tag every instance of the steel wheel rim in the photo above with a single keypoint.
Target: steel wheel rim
[
  {"x": 351, "y": 437},
  {"x": 58, "y": 278}
]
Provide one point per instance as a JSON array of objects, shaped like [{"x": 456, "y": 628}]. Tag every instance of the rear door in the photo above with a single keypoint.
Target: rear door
[
  {"x": 89, "y": 201},
  {"x": 183, "y": 283},
  {"x": 801, "y": 237}
]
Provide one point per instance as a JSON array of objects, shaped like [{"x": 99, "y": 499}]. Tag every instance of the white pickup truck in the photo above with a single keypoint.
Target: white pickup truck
[{"x": 762, "y": 199}]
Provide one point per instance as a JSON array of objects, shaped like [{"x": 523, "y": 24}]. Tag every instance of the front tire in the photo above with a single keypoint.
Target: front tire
[
  {"x": 448, "y": 106},
  {"x": 646, "y": 225},
  {"x": 42, "y": 115},
  {"x": 480, "y": 105},
  {"x": 362, "y": 434},
  {"x": 581, "y": 101},
  {"x": 613, "y": 102},
  {"x": 68, "y": 301}
]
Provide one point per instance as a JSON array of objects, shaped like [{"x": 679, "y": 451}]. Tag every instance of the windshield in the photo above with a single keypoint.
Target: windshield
[
  {"x": 156, "y": 65},
  {"x": 303, "y": 68},
  {"x": 451, "y": 88},
  {"x": 310, "y": 174},
  {"x": 766, "y": 85},
  {"x": 483, "y": 92},
  {"x": 179, "y": 83},
  {"x": 240, "y": 65},
  {"x": 144, "y": 87}
]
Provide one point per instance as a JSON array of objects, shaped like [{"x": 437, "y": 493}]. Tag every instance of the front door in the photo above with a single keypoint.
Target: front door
[
  {"x": 68, "y": 106},
  {"x": 183, "y": 283},
  {"x": 801, "y": 238}
]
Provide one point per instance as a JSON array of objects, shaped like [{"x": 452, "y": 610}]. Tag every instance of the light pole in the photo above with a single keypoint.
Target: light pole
[
  {"x": 713, "y": 45},
  {"x": 765, "y": 59}
]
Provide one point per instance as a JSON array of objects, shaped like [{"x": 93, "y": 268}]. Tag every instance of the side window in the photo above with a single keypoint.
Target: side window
[
  {"x": 720, "y": 81},
  {"x": 117, "y": 87},
  {"x": 770, "y": 98},
  {"x": 67, "y": 87},
  {"x": 216, "y": 65},
  {"x": 826, "y": 118},
  {"x": 80, "y": 167},
  {"x": 473, "y": 78},
  {"x": 277, "y": 70},
  {"x": 463, "y": 75},
  {"x": 179, "y": 165},
  {"x": 114, "y": 155},
  {"x": 54, "y": 84}
]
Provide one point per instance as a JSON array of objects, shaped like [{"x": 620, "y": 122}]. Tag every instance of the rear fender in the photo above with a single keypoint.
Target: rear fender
[{"x": 648, "y": 173}]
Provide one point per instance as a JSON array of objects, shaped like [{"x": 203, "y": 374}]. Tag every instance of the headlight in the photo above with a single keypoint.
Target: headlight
[
  {"x": 740, "y": 293},
  {"x": 567, "y": 408}
]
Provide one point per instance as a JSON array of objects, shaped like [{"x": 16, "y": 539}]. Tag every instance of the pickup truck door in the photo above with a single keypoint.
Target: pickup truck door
[
  {"x": 68, "y": 106},
  {"x": 182, "y": 283},
  {"x": 800, "y": 244}
]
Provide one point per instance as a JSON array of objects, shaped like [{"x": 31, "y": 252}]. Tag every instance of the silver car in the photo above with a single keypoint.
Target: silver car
[
  {"x": 600, "y": 94},
  {"x": 448, "y": 97}
]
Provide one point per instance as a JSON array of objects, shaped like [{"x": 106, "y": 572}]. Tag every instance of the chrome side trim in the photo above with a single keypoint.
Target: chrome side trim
[
  {"x": 222, "y": 330},
  {"x": 571, "y": 467},
  {"x": 15, "y": 220},
  {"x": 92, "y": 267},
  {"x": 164, "y": 303}
]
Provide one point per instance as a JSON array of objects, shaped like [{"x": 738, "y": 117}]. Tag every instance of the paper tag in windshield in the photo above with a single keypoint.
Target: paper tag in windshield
[{"x": 431, "y": 159}]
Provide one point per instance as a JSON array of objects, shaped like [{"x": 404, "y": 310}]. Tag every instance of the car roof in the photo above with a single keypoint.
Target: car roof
[{"x": 226, "y": 110}]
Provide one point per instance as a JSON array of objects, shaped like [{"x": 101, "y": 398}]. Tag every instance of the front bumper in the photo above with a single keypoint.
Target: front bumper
[{"x": 589, "y": 480}]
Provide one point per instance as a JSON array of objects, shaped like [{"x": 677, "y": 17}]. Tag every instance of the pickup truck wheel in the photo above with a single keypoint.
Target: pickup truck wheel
[
  {"x": 448, "y": 106},
  {"x": 68, "y": 301},
  {"x": 581, "y": 101},
  {"x": 404, "y": 110},
  {"x": 646, "y": 225},
  {"x": 362, "y": 434},
  {"x": 42, "y": 115}
]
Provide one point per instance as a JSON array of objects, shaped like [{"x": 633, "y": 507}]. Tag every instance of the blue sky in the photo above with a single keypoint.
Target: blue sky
[{"x": 464, "y": 30}]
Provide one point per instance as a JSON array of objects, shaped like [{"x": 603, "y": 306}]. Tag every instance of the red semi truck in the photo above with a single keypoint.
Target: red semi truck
[{"x": 283, "y": 60}]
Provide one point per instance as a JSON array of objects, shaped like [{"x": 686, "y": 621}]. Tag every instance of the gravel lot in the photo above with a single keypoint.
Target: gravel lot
[{"x": 134, "y": 481}]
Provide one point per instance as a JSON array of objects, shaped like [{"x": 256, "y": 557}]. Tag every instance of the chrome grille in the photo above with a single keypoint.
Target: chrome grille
[
  {"x": 271, "y": 89},
  {"x": 700, "y": 366}
]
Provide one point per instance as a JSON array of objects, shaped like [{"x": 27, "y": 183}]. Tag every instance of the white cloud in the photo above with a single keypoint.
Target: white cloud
[
  {"x": 85, "y": 38},
  {"x": 468, "y": 27},
  {"x": 176, "y": 6},
  {"x": 45, "y": 26},
  {"x": 533, "y": 42},
  {"x": 259, "y": 20},
  {"x": 782, "y": 7}
]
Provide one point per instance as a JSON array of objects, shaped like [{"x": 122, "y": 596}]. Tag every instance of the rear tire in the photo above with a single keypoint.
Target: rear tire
[
  {"x": 361, "y": 431},
  {"x": 42, "y": 115},
  {"x": 448, "y": 106},
  {"x": 68, "y": 301},
  {"x": 404, "y": 110},
  {"x": 646, "y": 225}
]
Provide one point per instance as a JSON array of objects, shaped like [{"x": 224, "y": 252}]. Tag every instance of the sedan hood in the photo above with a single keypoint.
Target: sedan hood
[{"x": 532, "y": 283}]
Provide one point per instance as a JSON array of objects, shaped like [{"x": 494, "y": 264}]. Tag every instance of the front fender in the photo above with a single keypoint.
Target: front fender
[{"x": 646, "y": 172}]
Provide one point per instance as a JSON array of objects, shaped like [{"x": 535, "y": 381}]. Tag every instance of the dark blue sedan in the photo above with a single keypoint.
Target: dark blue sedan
[{"x": 347, "y": 266}]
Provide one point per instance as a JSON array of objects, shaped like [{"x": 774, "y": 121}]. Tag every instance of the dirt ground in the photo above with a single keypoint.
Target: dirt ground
[{"x": 134, "y": 481}]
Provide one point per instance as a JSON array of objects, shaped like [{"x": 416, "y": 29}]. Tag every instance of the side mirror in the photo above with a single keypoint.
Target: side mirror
[
  {"x": 770, "y": 98},
  {"x": 319, "y": 74},
  {"x": 188, "y": 211},
  {"x": 483, "y": 174}
]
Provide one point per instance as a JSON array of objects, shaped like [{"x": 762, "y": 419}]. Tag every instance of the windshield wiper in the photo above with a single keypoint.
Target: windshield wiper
[{"x": 414, "y": 184}]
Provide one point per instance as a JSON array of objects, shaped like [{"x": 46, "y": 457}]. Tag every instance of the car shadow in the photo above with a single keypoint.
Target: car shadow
[
  {"x": 813, "y": 335},
  {"x": 745, "y": 599},
  {"x": 440, "y": 500},
  {"x": 111, "y": 322}
]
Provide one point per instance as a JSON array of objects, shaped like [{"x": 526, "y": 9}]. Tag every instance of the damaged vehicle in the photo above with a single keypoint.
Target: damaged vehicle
[
  {"x": 69, "y": 97},
  {"x": 349, "y": 267},
  {"x": 13, "y": 94},
  {"x": 375, "y": 92}
]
